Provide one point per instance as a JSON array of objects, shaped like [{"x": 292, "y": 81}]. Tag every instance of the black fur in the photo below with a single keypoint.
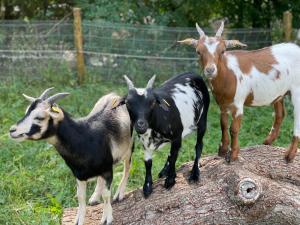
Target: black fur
[
  {"x": 86, "y": 148},
  {"x": 159, "y": 113}
]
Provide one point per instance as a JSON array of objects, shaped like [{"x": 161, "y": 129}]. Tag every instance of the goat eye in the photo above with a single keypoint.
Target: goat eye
[
  {"x": 198, "y": 52},
  {"x": 39, "y": 118}
]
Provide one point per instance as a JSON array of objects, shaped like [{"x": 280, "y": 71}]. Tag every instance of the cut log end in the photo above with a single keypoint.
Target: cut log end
[{"x": 248, "y": 191}]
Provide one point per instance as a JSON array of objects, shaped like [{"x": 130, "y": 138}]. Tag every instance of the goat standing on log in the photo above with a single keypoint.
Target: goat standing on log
[
  {"x": 165, "y": 115},
  {"x": 90, "y": 145},
  {"x": 252, "y": 78}
]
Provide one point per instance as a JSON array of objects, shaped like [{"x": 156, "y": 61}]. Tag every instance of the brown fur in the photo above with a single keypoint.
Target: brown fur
[
  {"x": 261, "y": 59},
  {"x": 279, "y": 116},
  {"x": 224, "y": 85}
]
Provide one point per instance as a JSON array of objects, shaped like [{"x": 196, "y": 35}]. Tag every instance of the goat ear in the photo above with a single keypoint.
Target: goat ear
[
  {"x": 234, "y": 43},
  {"x": 162, "y": 103},
  {"x": 189, "y": 41},
  {"x": 55, "y": 112},
  {"x": 118, "y": 102}
]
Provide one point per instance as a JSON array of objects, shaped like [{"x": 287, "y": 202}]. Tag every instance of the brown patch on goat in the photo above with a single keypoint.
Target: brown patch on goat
[
  {"x": 279, "y": 115},
  {"x": 261, "y": 59},
  {"x": 224, "y": 85},
  {"x": 249, "y": 99}
]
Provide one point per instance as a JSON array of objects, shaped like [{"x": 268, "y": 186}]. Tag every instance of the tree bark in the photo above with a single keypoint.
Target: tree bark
[{"x": 258, "y": 188}]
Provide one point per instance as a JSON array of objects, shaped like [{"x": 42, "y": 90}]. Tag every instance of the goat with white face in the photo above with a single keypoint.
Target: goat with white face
[
  {"x": 252, "y": 78},
  {"x": 90, "y": 145},
  {"x": 166, "y": 115}
]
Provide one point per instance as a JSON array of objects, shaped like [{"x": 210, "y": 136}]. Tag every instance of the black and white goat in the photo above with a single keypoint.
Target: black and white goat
[
  {"x": 167, "y": 114},
  {"x": 89, "y": 145}
]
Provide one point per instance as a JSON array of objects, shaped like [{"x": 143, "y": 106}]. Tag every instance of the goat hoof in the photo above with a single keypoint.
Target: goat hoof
[
  {"x": 222, "y": 152},
  {"x": 267, "y": 142},
  {"x": 289, "y": 159},
  {"x": 194, "y": 177},
  {"x": 106, "y": 223},
  {"x": 169, "y": 182},
  {"x": 117, "y": 199},
  {"x": 228, "y": 157},
  {"x": 92, "y": 203},
  {"x": 147, "y": 189},
  {"x": 162, "y": 173}
]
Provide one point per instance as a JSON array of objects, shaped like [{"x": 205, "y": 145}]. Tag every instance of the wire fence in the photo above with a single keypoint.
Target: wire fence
[{"x": 30, "y": 49}]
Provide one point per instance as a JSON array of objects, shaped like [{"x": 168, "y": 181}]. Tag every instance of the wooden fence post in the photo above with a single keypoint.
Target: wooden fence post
[
  {"x": 287, "y": 25},
  {"x": 79, "y": 45},
  {"x": 2, "y": 10}
]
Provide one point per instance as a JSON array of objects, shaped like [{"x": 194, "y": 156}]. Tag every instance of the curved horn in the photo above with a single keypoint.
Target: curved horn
[
  {"x": 129, "y": 82},
  {"x": 31, "y": 99},
  {"x": 150, "y": 82},
  {"x": 56, "y": 97},
  {"x": 220, "y": 30},
  {"x": 200, "y": 31},
  {"x": 44, "y": 95}
]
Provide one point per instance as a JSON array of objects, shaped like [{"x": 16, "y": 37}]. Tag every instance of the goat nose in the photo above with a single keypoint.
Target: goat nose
[
  {"x": 210, "y": 70},
  {"x": 140, "y": 123},
  {"x": 12, "y": 129}
]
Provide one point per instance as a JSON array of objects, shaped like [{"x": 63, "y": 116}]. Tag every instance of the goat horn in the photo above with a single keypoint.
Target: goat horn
[
  {"x": 220, "y": 30},
  {"x": 200, "y": 31},
  {"x": 31, "y": 99},
  {"x": 44, "y": 95},
  {"x": 129, "y": 82},
  {"x": 151, "y": 82},
  {"x": 56, "y": 97}
]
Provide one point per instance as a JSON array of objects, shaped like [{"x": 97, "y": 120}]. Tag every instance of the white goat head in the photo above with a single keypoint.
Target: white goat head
[{"x": 40, "y": 117}]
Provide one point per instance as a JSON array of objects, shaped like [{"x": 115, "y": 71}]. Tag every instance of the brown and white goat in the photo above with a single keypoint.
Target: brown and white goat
[{"x": 251, "y": 78}]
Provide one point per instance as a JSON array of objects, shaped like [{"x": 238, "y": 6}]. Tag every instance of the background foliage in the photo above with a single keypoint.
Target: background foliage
[{"x": 240, "y": 13}]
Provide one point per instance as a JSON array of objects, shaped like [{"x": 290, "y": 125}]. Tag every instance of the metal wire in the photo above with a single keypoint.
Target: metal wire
[{"x": 110, "y": 50}]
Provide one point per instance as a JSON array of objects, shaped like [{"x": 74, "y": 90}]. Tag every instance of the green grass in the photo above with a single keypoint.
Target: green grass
[{"x": 35, "y": 183}]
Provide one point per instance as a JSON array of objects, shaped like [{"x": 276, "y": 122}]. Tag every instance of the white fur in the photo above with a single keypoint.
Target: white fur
[
  {"x": 185, "y": 105},
  {"x": 141, "y": 91},
  {"x": 211, "y": 44},
  {"x": 107, "y": 209},
  {"x": 148, "y": 154},
  {"x": 81, "y": 195},
  {"x": 149, "y": 145},
  {"x": 119, "y": 195},
  {"x": 95, "y": 198}
]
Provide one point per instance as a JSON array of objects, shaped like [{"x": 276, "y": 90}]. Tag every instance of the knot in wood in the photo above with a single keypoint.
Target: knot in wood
[{"x": 248, "y": 191}]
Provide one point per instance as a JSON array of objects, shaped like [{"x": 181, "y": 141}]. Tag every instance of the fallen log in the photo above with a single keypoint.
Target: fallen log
[{"x": 259, "y": 188}]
